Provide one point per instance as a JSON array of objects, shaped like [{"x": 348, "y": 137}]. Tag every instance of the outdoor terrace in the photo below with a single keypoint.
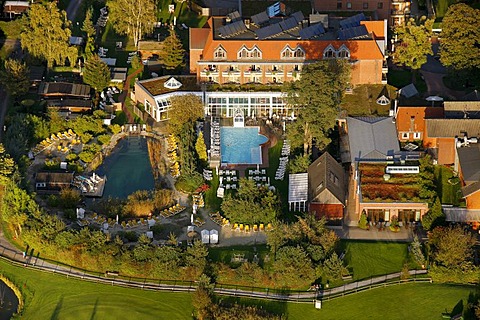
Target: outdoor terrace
[{"x": 398, "y": 188}]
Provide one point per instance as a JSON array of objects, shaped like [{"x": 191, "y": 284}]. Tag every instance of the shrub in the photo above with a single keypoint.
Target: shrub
[
  {"x": 416, "y": 250},
  {"x": 71, "y": 157},
  {"x": 120, "y": 118},
  {"x": 70, "y": 214},
  {"x": 86, "y": 157},
  {"x": 115, "y": 128},
  {"x": 104, "y": 139},
  {"x": 69, "y": 198},
  {"x": 363, "y": 223},
  {"x": 86, "y": 137},
  {"x": 52, "y": 200},
  {"x": 189, "y": 183},
  {"x": 139, "y": 203}
]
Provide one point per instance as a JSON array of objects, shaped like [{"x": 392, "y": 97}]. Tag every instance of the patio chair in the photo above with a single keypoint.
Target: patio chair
[
  {"x": 255, "y": 228},
  {"x": 269, "y": 227},
  {"x": 235, "y": 226},
  {"x": 247, "y": 228},
  {"x": 241, "y": 227}
]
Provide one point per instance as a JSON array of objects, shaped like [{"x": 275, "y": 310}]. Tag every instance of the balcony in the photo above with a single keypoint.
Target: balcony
[
  {"x": 385, "y": 67},
  {"x": 384, "y": 78},
  {"x": 274, "y": 73},
  {"x": 294, "y": 73},
  {"x": 253, "y": 72},
  {"x": 231, "y": 72},
  {"x": 398, "y": 12}
]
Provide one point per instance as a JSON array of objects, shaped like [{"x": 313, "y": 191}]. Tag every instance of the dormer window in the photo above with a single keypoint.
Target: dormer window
[
  {"x": 329, "y": 52},
  {"x": 343, "y": 52},
  {"x": 246, "y": 53},
  {"x": 220, "y": 53},
  {"x": 256, "y": 53},
  {"x": 289, "y": 53}
]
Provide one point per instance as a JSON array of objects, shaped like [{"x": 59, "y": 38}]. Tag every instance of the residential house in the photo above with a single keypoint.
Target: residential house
[
  {"x": 326, "y": 188},
  {"x": 47, "y": 182},
  {"x": 410, "y": 121},
  {"x": 381, "y": 185},
  {"x": 395, "y": 11},
  {"x": 442, "y": 136},
  {"x": 462, "y": 109},
  {"x": 468, "y": 168}
]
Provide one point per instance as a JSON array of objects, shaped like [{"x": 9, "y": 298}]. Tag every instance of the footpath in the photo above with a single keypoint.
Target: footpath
[{"x": 32, "y": 261}]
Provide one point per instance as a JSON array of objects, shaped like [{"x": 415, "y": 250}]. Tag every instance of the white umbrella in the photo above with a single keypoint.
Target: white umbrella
[{"x": 433, "y": 99}]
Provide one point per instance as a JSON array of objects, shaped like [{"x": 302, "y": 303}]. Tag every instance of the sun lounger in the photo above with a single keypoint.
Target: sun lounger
[
  {"x": 269, "y": 227},
  {"x": 255, "y": 228},
  {"x": 241, "y": 227},
  {"x": 247, "y": 228}
]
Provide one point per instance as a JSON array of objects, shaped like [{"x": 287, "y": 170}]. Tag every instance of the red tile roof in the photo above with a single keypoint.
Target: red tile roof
[
  {"x": 404, "y": 115},
  {"x": 329, "y": 211},
  {"x": 377, "y": 27}
]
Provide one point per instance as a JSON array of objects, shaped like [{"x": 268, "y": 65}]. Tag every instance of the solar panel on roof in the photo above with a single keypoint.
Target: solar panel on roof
[
  {"x": 234, "y": 16},
  {"x": 352, "y": 33},
  {"x": 269, "y": 31},
  {"x": 312, "y": 31},
  {"x": 260, "y": 18},
  {"x": 353, "y": 21},
  {"x": 298, "y": 16},
  {"x": 274, "y": 9},
  {"x": 288, "y": 24},
  {"x": 232, "y": 29}
]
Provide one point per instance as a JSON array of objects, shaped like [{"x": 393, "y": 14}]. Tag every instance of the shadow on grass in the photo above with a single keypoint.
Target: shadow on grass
[
  {"x": 58, "y": 308},
  {"x": 274, "y": 307}
]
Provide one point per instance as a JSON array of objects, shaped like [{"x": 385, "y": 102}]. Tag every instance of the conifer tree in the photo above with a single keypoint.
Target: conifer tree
[
  {"x": 172, "y": 54},
  {"x": 201, "y": 148},
  {"x": 90, "y": 32},
  {"x": 96, "y": 73},
  {"x": 15, "y": 77}
]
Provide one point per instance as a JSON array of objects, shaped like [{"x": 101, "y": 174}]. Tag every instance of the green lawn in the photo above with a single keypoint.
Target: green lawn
[
  {"x": 363, "y": 100},
  {"x": 51, "y": 296},
  {"x": 224, "y": 254},
  {"x": 213, "y": 202},
  {"x": 408, "y": 301},
  {"x": 369, "y": 258},
  {"x": 449, "y": 193}
]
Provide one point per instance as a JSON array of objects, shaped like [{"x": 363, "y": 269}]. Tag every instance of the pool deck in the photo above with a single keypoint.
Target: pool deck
[
  {"x": 272, "y": 140},
  {"x": 98, "y": 192}
]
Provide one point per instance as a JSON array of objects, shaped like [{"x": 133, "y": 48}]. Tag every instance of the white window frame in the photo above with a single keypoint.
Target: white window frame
[
  {"x": 405, "y": 135},
  {"x": 286, "y": 53},
  {"x": 245, "y": 53},
  {"x": 342, "y": 49},
  {"x": 328, "y": 49},
  {"x": 417, "y": 135},
  {"x": 220, "y": 53}
]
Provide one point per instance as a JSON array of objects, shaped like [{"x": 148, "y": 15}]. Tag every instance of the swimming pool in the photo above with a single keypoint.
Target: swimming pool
[{"x": 241, "y": 145}]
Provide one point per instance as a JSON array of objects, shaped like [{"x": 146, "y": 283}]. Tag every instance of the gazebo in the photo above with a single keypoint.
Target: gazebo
[{"x": 298, "y": 192}]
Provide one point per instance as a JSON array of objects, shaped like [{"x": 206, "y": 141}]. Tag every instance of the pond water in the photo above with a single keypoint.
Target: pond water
[
  {"x": 8, "y": 302},
  {"x": 127, "y": 168}
]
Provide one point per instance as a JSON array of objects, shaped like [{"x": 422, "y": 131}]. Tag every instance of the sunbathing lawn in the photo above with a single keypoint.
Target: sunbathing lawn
[
  {"x": 50, "y": 296},
  {"x": 448, "y": 193},
  {"x": 370, "y": 258},
  {"x": 274, "y": 154},
  {"x": 363, "y": 101}
]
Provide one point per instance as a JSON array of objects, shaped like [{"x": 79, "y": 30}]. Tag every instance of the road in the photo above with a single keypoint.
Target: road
[{"x": 72, "y": 9}]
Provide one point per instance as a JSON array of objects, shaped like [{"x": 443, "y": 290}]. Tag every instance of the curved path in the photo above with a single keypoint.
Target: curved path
[{"x": 14, "y": 256}]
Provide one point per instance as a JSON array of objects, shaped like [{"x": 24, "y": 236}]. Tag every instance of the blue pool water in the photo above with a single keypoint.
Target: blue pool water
[{"x": 241, "y": 145}]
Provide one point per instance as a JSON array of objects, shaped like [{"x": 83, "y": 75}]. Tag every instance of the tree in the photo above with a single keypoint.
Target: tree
[
  {"x": 134, "y": 18},
  {"x": 15, "y": 77},
  {"x": 185, "y": 109},
  {"x": 416, "y": 250},
  {"x": 17, "y": 206},
  {"x": 316, "y": 96},
  {"x": 460, "y": 45},
  {"x": 46, "y": 35},
  {"x": 293, "y": 267},
  {"x": 434, "y": 217},
  {"x": 201, "y": 148},
  {"x": 299, "y": 164},
  {"x": 202, "y": 299},
  {"x": 172, "y": 55},
  {"x": 451, "y": 247},
  {"x": 414, "y": 44},
  {"x": 7, "y": 165},
  {"x": 90, "y": 32},
  {"x": 333, "y": 267},
  {"x": 96, "y": 73}
]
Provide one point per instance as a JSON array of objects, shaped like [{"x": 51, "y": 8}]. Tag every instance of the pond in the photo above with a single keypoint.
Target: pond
[
  {"x": 127, "y": 168},
  {"x": 8, "y": 302}
]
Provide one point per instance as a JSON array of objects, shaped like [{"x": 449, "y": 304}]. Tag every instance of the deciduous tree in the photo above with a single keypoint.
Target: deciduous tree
[
  {"x": 414, "y": 44},
  {"x": 293, "y": 267},
  {"x": 460, "y": 45},
  {"x": 451, "y": 247},
  {"x": 15, "y": 78},
  {"x": 96, "y": 73},
  {"x": 316, "y": 96},
  {"x": 134, "y": 18},
  {"x": 46, "y": 35},
  {"x": 172, "y": 54}
]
